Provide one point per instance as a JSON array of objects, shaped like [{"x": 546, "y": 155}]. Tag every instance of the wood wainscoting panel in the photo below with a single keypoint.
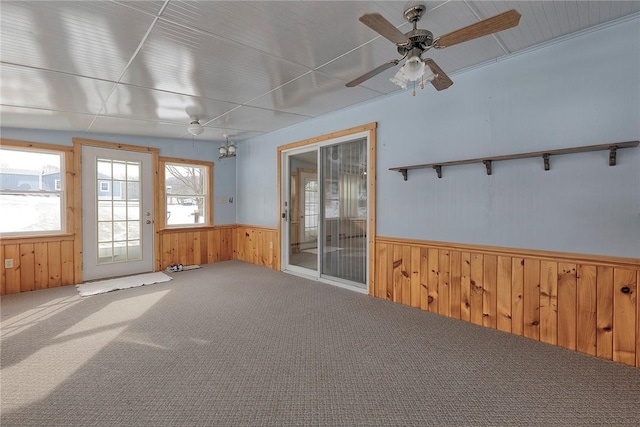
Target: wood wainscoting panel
[
  {"x": 194, "y": 245},
  {"x": 257, "y": 245},
  {"x": 37, "y": 264},
  {"x": 572, "y": 301}
]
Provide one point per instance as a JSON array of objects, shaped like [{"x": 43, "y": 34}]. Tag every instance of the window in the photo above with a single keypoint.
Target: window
[
  {"x": 32, "y": 197},
  {"x": 104, "y": 187},
  {"x": 187, "y": 193}
]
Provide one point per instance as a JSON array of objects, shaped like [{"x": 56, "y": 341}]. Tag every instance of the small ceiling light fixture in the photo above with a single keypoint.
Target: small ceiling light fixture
[
  {"x": 228, "y": 149},
  {"x": 195, "y": 128},
  {"x": 413, "y": 70}
]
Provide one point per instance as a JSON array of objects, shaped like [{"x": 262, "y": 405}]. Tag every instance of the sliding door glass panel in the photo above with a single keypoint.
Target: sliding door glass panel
[
  {"x": 304, "y": 210},
  {"x": 344, "y": 187}
]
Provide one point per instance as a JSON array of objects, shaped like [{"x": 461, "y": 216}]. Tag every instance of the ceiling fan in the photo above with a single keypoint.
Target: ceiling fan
[{"x": 413, "y": 44}]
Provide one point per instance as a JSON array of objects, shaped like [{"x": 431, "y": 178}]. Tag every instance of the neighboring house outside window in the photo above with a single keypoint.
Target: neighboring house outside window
[{"x": 32, "y": 196}]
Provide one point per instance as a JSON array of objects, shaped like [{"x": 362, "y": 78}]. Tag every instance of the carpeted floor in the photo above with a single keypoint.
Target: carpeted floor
[{"x": 236, "y": 344}]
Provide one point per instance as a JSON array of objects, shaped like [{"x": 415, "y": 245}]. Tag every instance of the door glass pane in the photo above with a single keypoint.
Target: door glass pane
[
  {"x": 118, "y": 206},
  {"x": 345, "y": 211},
  {"x": 304, "y": 210}
]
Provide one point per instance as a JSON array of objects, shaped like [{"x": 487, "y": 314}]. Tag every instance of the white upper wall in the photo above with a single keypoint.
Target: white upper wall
[{"x": 583, "y": 90}]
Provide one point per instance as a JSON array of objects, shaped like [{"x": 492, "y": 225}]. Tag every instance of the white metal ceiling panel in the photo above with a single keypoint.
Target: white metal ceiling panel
[
  {"x": 256, "y": 119},
  {"x": 306, "y": 33},
  {"x": 92, "y": 38},
  {"x": 148, "y": 104},
  {"x": 149, "y": 6},
  {"x": 125, "y": 126},
  {"x": 32, "y": 118},
  {"x": 34, "y": 88},
  {"x": 328, "y": 94},
  {"x": 545, "y": 20},
  {"x": 185, "y": 61},
  {"x": 217, "y": 135}
]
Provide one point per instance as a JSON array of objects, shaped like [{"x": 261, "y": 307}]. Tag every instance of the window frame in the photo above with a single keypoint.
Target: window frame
[
  {"x": 65, "y": 192},
  {"x": 208, "y": 191}
]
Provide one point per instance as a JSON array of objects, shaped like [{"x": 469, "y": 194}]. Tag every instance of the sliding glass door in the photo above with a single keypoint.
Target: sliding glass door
[
  {"x": 325, "y": 212},
  {"x": 344, "y": 231}
]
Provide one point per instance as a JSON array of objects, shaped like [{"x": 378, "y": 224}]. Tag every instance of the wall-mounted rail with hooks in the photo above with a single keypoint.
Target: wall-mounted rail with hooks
[{"x": 545, "y": 155}]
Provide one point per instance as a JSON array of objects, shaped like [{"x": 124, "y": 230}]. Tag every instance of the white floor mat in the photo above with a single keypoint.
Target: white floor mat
[{"x": 102, "y": 286}]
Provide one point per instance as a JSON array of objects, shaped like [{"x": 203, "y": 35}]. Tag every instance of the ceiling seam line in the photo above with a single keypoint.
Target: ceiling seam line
[{"x": 126, "y": 67}]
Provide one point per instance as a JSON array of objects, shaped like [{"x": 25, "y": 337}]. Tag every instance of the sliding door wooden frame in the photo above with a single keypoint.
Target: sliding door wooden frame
[{"x": 371, "y": 196}]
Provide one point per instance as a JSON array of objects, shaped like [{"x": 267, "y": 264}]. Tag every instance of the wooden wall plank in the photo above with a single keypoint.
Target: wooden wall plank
[
  {"x": 465, "y": 287},
  {"x": 489, "y": 294},
  {"x": 55, "y": 264},
  {"x": 67, "y": 265},
  {"x": 381, "y": 270},
  {"x": 397, "y": 273},
  {"x": 531, "y": 298},
  {"x": 424, "y": 278},
  {"x": 389, "y": 273},
  {"x": 27, "y": 267},
  {"x": 444, "y": 265},
  {"x": 549, "y": 302},
  {"x": 415, "y": 276},
  {"x": 476, "y": 288},
  {"x": 197, "y": 248},
  {"x": 432, "y": 279},
  {"x": 3, "y": 274},
  {"x": 455, "y": 277},
  {"x": 41, "y": 258},
  {"x": 567, "y": 299},
  {"x": 503, "y": 291},
  {"x": 190, "y": 248},
  {"x": 12, "y": 274},
  {"x": 587, "y": 308},
  {"x": 406, "y": 274},
  {"x": 166, "y": 250},
  {"x": 624, "y": 316},
  {"x": 604, "y": 312},
  {"x": 517, "y": 296}
]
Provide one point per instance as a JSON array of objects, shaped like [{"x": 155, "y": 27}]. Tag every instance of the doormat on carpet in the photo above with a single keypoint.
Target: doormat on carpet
[{"x": 103, "y": 286}]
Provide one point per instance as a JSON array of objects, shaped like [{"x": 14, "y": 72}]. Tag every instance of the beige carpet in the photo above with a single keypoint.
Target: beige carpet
[{"x": 236, "y": 344}]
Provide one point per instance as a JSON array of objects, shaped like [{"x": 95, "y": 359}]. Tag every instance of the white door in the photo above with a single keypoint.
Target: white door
[{"x": 117, "y": 212}]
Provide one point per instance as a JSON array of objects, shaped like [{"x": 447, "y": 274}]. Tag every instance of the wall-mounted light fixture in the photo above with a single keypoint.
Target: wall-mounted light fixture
[{"x": 228, "y": 149}]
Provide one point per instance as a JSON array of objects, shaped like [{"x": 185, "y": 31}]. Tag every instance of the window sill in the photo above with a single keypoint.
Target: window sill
[{"x": 31, "y": 238}]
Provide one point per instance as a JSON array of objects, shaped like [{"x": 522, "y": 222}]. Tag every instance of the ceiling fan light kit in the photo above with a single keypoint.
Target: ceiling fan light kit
[
  {"x": 418, "y": 41},
  {"x": 195, "y": 128}
]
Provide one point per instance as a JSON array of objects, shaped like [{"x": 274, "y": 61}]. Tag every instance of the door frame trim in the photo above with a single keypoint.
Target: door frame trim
[
  {"x": 371, "y": 195},
  {"x": 78, "y": 143}
]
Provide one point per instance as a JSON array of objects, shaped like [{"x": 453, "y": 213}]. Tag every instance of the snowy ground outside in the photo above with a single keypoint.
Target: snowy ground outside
[{"x": 20, "y": 213}]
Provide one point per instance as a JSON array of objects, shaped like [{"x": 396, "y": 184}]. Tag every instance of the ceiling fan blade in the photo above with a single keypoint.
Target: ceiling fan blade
[
  {"x": 442, "y": 81},
  {"x": 492, "y": 25},
  {"x": 375, "y": 71},
  {"x": 386, "y": 29}
]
